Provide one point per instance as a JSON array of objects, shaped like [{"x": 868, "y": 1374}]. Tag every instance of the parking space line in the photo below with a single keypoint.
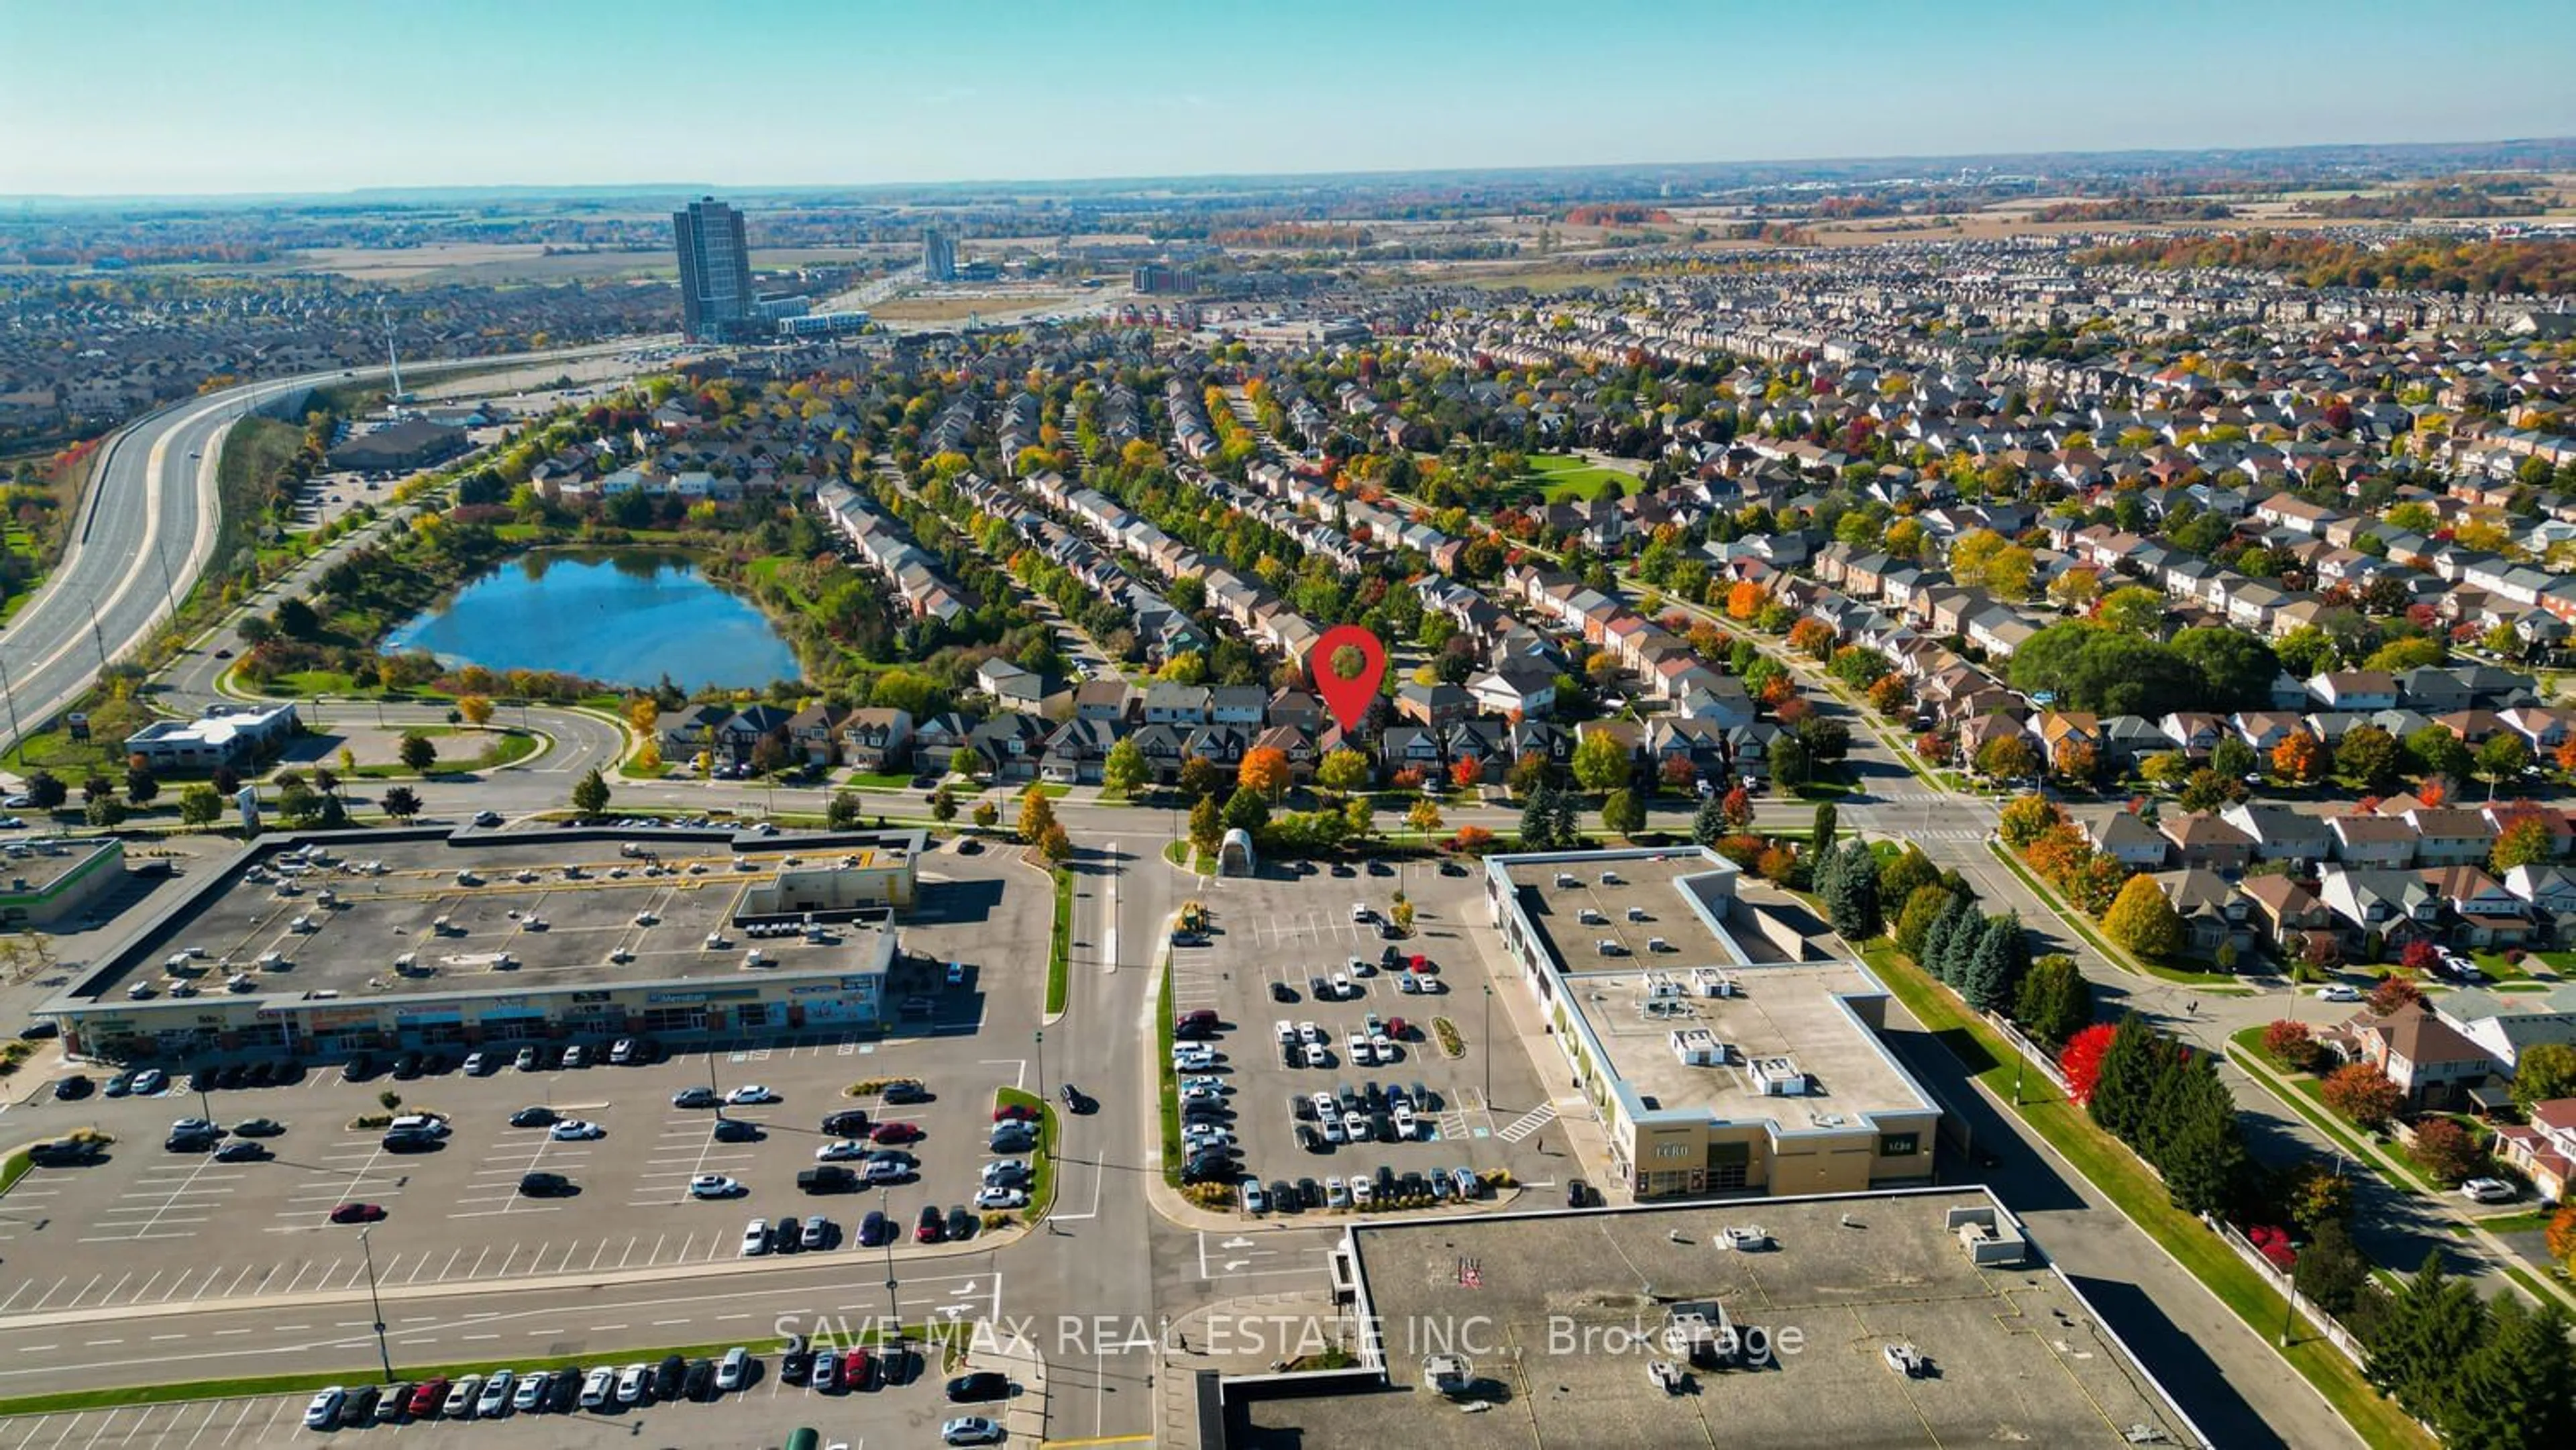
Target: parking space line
[
  {"x": 212, "y": 1410},
  {"x": 13, "y": 1295},
  {"x": 235, "y": 1284}
]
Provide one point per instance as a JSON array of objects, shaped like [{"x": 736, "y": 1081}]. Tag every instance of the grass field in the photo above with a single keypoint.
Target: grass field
[
  {"x": 1060, "y": 943},
  {"x": 1560, "y": 478}
]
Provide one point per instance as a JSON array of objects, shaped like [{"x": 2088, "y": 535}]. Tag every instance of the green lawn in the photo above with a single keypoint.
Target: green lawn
[
  {"x": 2118, "y": 1173},
  {"x": 883, "y": 780},
  {"x": 501, "y": 747},
  {"x": 1559, "y": 477},
  {"x": 1170, "y": 1091},
  {"x": 1060, "y": 943}
]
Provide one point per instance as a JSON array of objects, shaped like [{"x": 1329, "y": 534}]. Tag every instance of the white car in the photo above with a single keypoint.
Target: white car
[
  {"x": 1356, "y": 1125},
  {"x": 1000, "y": 1197},
  {"x": 1332, "y": 1125},
  {"x": 1362, "y": 1192},
  {"x": 2487, "y": 1190},
  {"x": 1005, "y": 1172},
  {"x": 532, "y": 1390},
  {"x": 1362, "y": 1054},
  {"x": 713, "y": 1185},
  {"x": 1308, "y": 1032},
  {"x": 749, "y": 1093},
  {"x": 598, "y": 1388},
  {"x": 575, "y": 1130},
  {"x": 631, "y": 1381},
  {"x": 495, "y": 1399},
  {"x": 1336, "y": 1193},
  {"x": 324, "y": 1410},
  {"x": 755, "y": 1238},
  {"x": 1405, "y": 1123},
  {"x": 1342, "y": 988},
  {"x": 1191, "y": 1056},
  {"x": 1360, "y": 912},
  {"x": 1318, "y": 1055},
  {"x": 846, "y": 1148},
  {"x": 2339, "y": 992},
  {"x": 733, "y": 1369},
  {"x": 1287, "y": 1030},
  {"x": 1198, "y": 1094}
]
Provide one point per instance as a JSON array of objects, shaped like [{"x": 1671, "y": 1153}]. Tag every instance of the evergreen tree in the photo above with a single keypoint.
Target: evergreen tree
[
  {"x": 1936, "y": 938},
  {"x": 1825, "y": 823},
  {"x": 1710, "y": 823},
  {"x": 2431, "y": 1328},
  {"x": 1824, "y": 873},
  {"x": 1538, "y": 820},
  {"x": 1562, "y": 824},
  {"x": 1988, "y": 975},
  {"x": 2054, "y": 1001},
  {"x": 2331, "y": 1271},
  {"x": 2128, "y": 1075},
  {"x": 2519, "y": 1389},
  {"x": 1858, "y": 881},
  {"x": 1959, "y": 948},
  {"x": 2204, "y": 1152},
  {"x": 1923, "y": 906}
]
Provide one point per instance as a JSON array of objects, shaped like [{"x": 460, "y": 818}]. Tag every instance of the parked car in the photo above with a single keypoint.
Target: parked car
[
  {"x": 323, "y": 1411},
  {"x": 748, "y": 1094},
  {"x": 2339, "y": 992},
  {"x": 713, "y": 1185},
  {"x": 2488, "y": 1190},
  {"x": 982, "y": 1384},
  {"x": 358, "y": 1213},
  {"x": 970, "y": 1430},
  {"x": 695, "y": 1097}
]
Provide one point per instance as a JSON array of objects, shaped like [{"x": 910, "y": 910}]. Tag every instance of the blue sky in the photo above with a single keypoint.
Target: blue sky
[{"x": 190, "y": 96}]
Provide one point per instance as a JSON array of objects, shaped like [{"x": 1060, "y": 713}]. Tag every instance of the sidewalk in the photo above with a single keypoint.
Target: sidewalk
[
  {"x": 1187, "y": 1344},
  {"x": 2405, "y": 1179}
]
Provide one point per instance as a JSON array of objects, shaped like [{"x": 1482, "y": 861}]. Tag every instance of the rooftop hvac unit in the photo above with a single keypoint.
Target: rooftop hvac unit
[
  {"x": 1779, "y": 1077},
  {"x": 1712, "y": 982},
  {"x": 1590, "y": 917},
  {"x": 1698, "y": 1047},
  {"x": 1661, "y": 984},
  {"x": 1564, "y": 878},
  {"x": 1658, "y": 944},
  {"x": 1636, "y": 913}
]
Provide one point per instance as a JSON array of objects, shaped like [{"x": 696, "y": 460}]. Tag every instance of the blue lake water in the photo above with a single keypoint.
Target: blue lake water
[{"x": 627, "y": 618}]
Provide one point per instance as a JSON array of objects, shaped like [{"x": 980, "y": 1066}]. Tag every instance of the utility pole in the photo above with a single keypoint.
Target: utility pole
[
  {"x": 1486, "y": 1045},
  {"x": 8, "y": 694}
]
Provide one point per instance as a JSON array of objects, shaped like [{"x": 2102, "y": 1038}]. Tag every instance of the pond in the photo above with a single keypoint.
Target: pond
[{"x": 625, "y": 617}]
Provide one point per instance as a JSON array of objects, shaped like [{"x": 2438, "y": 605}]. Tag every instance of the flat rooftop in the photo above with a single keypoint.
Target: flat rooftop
[
  {"x": 43, "y": 860},
  {"x": 1543, "y": 1301},
  {"x": 558, "y": 908},
  {"x": 1780, "y": 1008}
]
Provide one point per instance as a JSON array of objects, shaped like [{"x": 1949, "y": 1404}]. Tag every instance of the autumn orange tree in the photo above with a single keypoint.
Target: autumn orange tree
[
  {"x": 2300, "y": 757},
  {"x": 1812, "y": 637},
  {"x": 2525, "y": 841},
  {"x": 1745, "y": 600},
  {"x": 1466, "y": 771},
  {"x": 1265, "y": 769},
  {"x": 2357, "y": 1091}
]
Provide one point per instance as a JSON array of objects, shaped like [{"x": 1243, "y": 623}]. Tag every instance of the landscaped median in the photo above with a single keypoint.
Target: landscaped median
[
  {"x": 1041, "y": 1162},
  {"x": 2117, "y": 1173},
  {"x": 1168, "y": 1095},
  {"x": 2124, "y": 960},
  {"x": 1060, "y": 943}
]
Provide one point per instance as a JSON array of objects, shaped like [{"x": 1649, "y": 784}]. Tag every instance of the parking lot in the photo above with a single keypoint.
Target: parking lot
[
  {"x": 1271, "y": 938},
  {"x": 146, "y": 1226},
  {"x": 763, "y": 1414}
]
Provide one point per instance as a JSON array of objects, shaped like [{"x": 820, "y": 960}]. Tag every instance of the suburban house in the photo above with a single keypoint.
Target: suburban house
[
  {"x": 2280, "y": 833},
  {"x": 2545, "y": 1150},
  {"x": 2434, "y": 1065},
  {"x": 2203, "y": 839},
  {"x": 814, "y": 732},
  {"x": 2292, "y": 915},
  {"x": 876, "y": 739},
  {"x": 2373, "y": 840},
  {"x": 2118, "y": 833},
  {"x": 1011, "y": 687},
  {"x": 2507, "y": 1024},
  {"x": 2381, "y": 912},
  {"x": 2213, "y": 912}
]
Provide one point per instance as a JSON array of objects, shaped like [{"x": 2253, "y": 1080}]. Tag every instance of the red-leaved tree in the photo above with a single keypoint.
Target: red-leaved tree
[
  {"x": 2081, "y": 1060},
  {"x": 2357, "y": 1091}
]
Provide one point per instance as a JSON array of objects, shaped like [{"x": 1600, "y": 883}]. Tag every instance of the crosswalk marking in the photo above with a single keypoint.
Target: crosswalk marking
[{"x": 1528, "y": 1123}]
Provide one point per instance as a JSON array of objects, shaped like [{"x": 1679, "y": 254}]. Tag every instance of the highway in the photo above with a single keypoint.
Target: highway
[{"x": 144, "y": 530}]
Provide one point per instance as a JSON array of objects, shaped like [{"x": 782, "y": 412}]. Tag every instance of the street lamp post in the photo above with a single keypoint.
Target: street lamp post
[
  {"x": 894, "y": 1309},
  {"x": 384, "y": 1355}
]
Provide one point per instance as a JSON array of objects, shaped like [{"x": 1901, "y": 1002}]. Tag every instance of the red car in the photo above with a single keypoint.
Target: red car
[
  {"x": 930, "y": 1228},
  {"x": 1396, "y": 1029},
  {"x": 857, "y": 1372},
  {"x": 894, "y": 1133},
  {"x": 358, "y": 1213},
  {"x": 426, "y": 1400},
  {"x": 1015, "y": 1113}
]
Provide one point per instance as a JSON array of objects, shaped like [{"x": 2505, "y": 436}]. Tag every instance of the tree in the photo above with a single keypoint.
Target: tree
[
  {"x": 843, "y": 810},
  {"x": 1037, "y": 812},
  {"x": 1055, "y": 845},
  {"x": 2236, "y": 669},
  {"x": 2131, "y": 1062},
  {"x": 2357, "y": 1091},
  {"x": 200, "y": 805},
  {"x": 1622, "y": 814},
  {"x": 1343, "y": 771},
  {"x": 2394, "y": 995},
  {"x": 1992, "y": 977},
  {"x": 476, "y": 709},
  {"x": 2543, "y": 1071},
  {"x": 590, "y": 795},
  {"x": 1710, "y": 822},
  {"x": 2131, "y": 610},
  {"x": 2288, "y": 1042},
  {"x": 2143, "y": 920},
  {"x": 1423, "y": 816},
  {"x": 1826, "y": 817},
  {"x": 1245, "y": 810},
  {"x": 2330, "y": 1270},
  {"x": 2081, "y": 1061},
  {"x": 400, "y": 802},
  {"x": 1207, "y": 825},
  {"x": 2055, "y": 1002},
  {"x": 1466, "y": 770},
  {"x": 2438, "y": 752},
  {"x": 986, "y": 813},
  {"x": 417, "y": 753},
  {"x": 943, "y": 803},
  {"x": 1789, "y": 762},
  {"x": 2008, "y": 757},
  {"x": 46, "y": 790},
  {"x": 1600, "y": 761},
  {"x": 2503, "y": 756},
  {"x": 1199, "y": 777},
  {"x": 2369, "y": 755},
  {"x": 2232, "y": 758},
  {"x": 1122, "y": 771},
  {"x": 2432, "y": 1327},
  {"x": 296, "y": 620},
  {"x": 648, "y": 756},
  {"x": 2446, "y": 1151},
  {"x": 1265, "y": 769},
  {"x": 643, "y": 713},
  {"x": 2202, "y": 1155},
  {"x": 1737, "y": 807},
  {"x": 140, "y": 785},
  {"x": 2525, "y": 841},
  {"x": 2300, "y": 757},
  {"x": 106, "y": 812},
  {"x": 2519, "y": 1388},
  {"x": 2026, "y": 818},
  {"x": 1923, "y": 906}
]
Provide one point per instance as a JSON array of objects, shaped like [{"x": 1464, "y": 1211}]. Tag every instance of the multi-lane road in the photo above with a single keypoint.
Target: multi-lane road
[{"x": 144, "y": 531}]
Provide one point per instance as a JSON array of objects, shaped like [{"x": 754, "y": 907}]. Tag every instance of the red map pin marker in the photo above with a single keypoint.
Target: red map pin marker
[{"x": 1349, "y": 662}]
